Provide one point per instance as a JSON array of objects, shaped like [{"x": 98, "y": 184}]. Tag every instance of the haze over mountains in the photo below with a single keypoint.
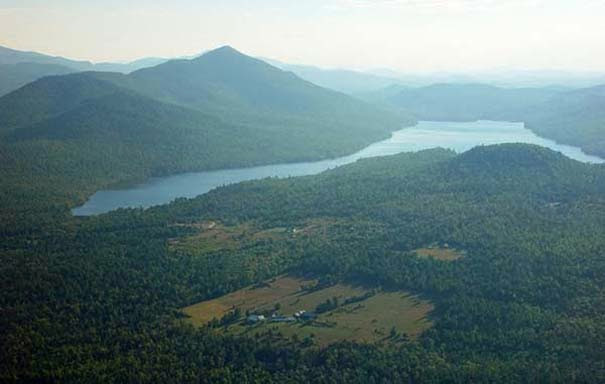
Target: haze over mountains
[
  {"x": 223, "y": 83},
  {"x": 569, "y": 116},
  {"x": 18, "y": 68},
  {"x": 13, "y": 74}
]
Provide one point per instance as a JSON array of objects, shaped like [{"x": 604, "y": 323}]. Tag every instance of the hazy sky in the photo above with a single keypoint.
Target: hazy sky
[{"x": 407, "y": 35}]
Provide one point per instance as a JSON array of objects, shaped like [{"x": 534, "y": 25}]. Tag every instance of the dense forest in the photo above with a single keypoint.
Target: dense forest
[{"x": 97, "y": 299}]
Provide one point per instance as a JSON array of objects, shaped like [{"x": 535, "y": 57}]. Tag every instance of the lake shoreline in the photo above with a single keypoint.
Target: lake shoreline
[{"x": 459, "y": 136}]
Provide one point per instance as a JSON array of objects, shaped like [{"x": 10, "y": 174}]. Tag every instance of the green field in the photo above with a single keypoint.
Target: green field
[{"x": 381, "y": 317}]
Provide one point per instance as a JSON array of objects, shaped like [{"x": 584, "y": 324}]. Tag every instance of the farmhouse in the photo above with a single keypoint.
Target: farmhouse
[
  {"x": 308, "y": 316},
  {"x": 283, "y": 319},
  {"x": 253, "y": 319}
]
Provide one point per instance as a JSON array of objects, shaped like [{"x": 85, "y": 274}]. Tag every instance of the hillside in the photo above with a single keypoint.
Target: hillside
[
  {"x": 226, "y": 80},
  {"x": 14, "y": 76},
  {"x": 10, "y": 56},
  {"x": 80, "y": 132},
  {"x": 91, "y": 299},
  {"x": 49, "y": 97},
  {"x": 18, "y": 68},
  {"x": 573, "y": 117},
  {"x": 463, "y": 102},
  {"x": 13, "y": 56}
]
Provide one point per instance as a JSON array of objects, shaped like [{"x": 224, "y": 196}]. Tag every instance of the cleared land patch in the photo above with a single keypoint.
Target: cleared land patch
[
  {"x": 360, "y": 314},
  {"x": 248, "y": 299},
  {"x": 214, "y": 236},
  {"x": 440, "y": 253}
]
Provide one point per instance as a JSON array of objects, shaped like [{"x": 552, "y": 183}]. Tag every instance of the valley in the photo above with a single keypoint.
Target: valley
[{"x": 452, "y": 135}]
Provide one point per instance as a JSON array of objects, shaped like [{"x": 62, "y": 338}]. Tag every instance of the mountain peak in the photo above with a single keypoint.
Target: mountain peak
[{"x": 225, "y": 50}]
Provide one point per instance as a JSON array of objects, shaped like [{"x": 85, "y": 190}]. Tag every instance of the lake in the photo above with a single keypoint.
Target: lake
[{"x": 426, "y": 134}]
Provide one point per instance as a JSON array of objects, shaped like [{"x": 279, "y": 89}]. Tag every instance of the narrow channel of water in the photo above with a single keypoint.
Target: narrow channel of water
[{"x": 427, "y": 134}]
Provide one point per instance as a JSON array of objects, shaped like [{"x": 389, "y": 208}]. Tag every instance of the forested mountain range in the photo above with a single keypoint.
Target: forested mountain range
[
  {"x": 14, "y": 76},
  {"x": 18, "y": 68},
  {"x": 12, "y": 56},
  {"x": 538, "y": 106},
  {"x": 569, "y": 116},
  {"x": 78, "y": 132},
  {"x": 464, "y": 102},
  {"x": 97, "y": 299},
  {"x": 575, "y": 117}
]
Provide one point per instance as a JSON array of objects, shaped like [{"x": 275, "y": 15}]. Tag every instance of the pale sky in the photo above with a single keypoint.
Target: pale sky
[{"x": 405, "y": 35}]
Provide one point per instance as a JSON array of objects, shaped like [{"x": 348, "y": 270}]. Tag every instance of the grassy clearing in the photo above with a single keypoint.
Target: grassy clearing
[
  {"x": 369, "y": 321},
  {"x": 282, "y": 290},
  {"x": 213, "y": 236},
  {"x": 440, "y": 253},
  {"x": 372, "y": 319}
]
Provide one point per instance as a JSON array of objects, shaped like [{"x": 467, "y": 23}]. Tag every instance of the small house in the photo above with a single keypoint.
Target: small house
[
  {"x": 253, "y": 319},
  {"x": 308, "y": 316},
  {"x": 283, "y": 319},
  {"x": 299, "y": 313}
]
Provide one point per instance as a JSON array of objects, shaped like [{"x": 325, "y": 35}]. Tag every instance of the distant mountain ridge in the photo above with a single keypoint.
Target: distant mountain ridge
[
  {"x": 13, "y": 56},
  {"x": 10, "y": 56},
  {"x": 18, "y": 68},
  {"x": 576, "y": 117},
  {"x": 342, "y": 80},
  {"x": 464, "y": 102},
  {"x": 569, "y": 116},
  {"x": 14, "y": 76},
  {"x": 222, "y": 83}
]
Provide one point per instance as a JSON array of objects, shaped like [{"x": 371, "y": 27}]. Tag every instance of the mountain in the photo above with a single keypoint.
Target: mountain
[
  {"x": 252, "y": 92},
  {"x": 342, "y": 80},
  {"x": 18, "y": 68},
  {"x": 226, "y": 79},
  {"x": 540, "y": 78},
  {"x": 49, "y": 97},
  {"x": 14, "y": 76},
  {"x": 223, "y": 83},
  {"x": 575, "y": 117},
  {"x": 504, "y": 78},
  {"x": 129, "y": 66},
  {"x": 465, "y": 102},
  {"x": 83, "y": 131},
  {"x": 12, "y": 56}
]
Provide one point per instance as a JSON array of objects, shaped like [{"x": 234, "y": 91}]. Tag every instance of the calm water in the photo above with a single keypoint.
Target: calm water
[{"x": 427, "y": 134}]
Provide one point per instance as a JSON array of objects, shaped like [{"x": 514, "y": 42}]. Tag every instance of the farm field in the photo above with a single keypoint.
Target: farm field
[
  {"x": 440, "y": 253},
  {"x": 367, "y": 316}
]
